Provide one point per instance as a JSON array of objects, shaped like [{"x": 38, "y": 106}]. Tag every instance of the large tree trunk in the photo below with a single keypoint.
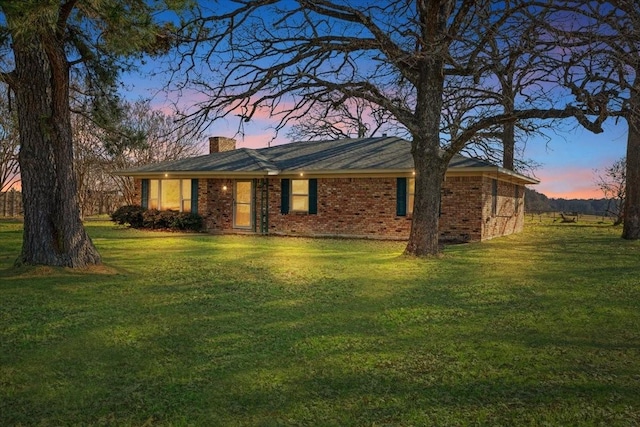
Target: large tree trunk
[
  {"x": 430, "y": 170},
  {"x": 508, "y": 143},
  {"x": 509, "y": 128},
  {"x": 631, "y": 224},
  {"x": 430, "y": 162},
  {"x": 53, "y": 232}
]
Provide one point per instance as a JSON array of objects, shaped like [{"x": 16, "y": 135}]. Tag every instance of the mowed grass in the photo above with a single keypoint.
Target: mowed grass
[{"x": 540, "y": 328}]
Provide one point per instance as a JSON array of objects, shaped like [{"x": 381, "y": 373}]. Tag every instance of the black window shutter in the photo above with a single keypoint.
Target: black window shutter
[
  {"x": 144, "y": 202},
  {"x": 194, "y": 195},
  {"x": 284, "y": 196},
  {"x": 313, "y": 196},
  {"x": 401, "y": 197}
]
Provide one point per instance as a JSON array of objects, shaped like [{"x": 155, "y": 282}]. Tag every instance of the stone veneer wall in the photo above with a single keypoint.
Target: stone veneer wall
[{"x": 509, "y": 216}]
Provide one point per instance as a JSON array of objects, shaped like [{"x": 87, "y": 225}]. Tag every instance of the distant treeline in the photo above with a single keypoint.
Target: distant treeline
[{"x": 535, "y": 202}]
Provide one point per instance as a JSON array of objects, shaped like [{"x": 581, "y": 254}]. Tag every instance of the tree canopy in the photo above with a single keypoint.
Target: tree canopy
[{"x": 45, "y": 46}]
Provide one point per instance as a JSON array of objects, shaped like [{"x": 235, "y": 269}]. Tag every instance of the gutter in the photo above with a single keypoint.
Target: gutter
[
  {"x": 361, "y": 173},
  {"x": 497, "y": 170}
]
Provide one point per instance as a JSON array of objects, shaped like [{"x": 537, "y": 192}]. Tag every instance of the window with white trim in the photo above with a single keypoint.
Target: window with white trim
[
  {"x": 170, "y": 194},
  {"x": 300, "y": 195}
]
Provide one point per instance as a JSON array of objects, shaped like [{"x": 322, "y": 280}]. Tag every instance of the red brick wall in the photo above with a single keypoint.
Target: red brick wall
[
  {"x": 137, "y": 185},
  {"x": 461, "y": 213},
  {"x": 366, "y": 207},
  {"x": 218, "y": 201},
  {"x": 363, "y": 207}
]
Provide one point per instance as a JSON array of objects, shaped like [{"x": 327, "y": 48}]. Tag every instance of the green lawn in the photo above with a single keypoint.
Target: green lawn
[{"x": 542, "y": 328}]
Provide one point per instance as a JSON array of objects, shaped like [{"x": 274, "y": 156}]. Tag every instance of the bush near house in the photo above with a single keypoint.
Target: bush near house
[
  {"x": 128, "y": 215},
  {"x": 138, "y": 217}
]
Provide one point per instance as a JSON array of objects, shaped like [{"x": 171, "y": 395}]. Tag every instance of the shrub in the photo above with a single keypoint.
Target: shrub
[
  {"x": 129, "y": 214},
  {"x": 165, "y": 219},
  {"x": 150, "y": 219},
  {"x": 187, "y": 221},
  {"x": 137, "y": 217}
]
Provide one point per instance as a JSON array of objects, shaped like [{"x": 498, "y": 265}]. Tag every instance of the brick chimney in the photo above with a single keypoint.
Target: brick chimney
[{"x": 221, "y": 143}]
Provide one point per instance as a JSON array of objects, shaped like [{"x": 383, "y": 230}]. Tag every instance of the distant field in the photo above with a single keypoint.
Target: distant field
[
  {"x": 540, "y": 328},
  {"x": 580, "y": 218}
]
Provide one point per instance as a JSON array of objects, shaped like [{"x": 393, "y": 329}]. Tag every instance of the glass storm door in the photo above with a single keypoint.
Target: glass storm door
[{"x": 243, "y": 204}]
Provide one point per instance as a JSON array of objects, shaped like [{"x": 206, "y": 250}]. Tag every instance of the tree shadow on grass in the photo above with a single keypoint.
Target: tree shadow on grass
[{"x": 281, "y": 335}]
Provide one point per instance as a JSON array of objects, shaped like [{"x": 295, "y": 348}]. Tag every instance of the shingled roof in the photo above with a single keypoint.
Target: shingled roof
[{"x": 346, "y": 156}]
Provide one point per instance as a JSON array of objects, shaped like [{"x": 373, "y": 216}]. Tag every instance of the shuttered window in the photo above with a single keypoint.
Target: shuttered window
[
  {"x": 299, "y": 195},
  {"x": 401, "y": 197},
  {"x": 284, "y": 196},
  {"x": 145, "y": 194},
  {"x": 194, "y": 195},
  {"x": 313, "y": 196}
]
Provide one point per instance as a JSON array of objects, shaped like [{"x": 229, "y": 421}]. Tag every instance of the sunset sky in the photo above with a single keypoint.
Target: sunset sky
[{"x": 569, "y": 162}]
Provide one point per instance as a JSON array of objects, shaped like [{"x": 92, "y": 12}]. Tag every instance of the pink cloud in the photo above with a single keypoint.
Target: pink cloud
[
  {"x": 568, "y": 183},
  {"x": 261, "y": 140}
]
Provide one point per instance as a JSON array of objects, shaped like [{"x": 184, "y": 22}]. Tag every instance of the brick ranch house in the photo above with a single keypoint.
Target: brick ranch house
[{"x": 352, "y": 187}]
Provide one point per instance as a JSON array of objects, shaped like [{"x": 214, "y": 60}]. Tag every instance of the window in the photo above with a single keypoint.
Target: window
[
  {"x": 516, "y": 198},
  {"x": 300, "y": 195},
  {"x": 170, "y": 194},
  {"x": 411, "y": 191},
  {"x": 154, "y": 193}
]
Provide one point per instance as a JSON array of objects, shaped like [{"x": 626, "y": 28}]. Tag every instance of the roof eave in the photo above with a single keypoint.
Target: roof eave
[
  {"x": 343, "y": 172},
  {"x": 497, "y": 170},
  {"x": 196, "y": 174},
  {"x": 325, "y": 173}
]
